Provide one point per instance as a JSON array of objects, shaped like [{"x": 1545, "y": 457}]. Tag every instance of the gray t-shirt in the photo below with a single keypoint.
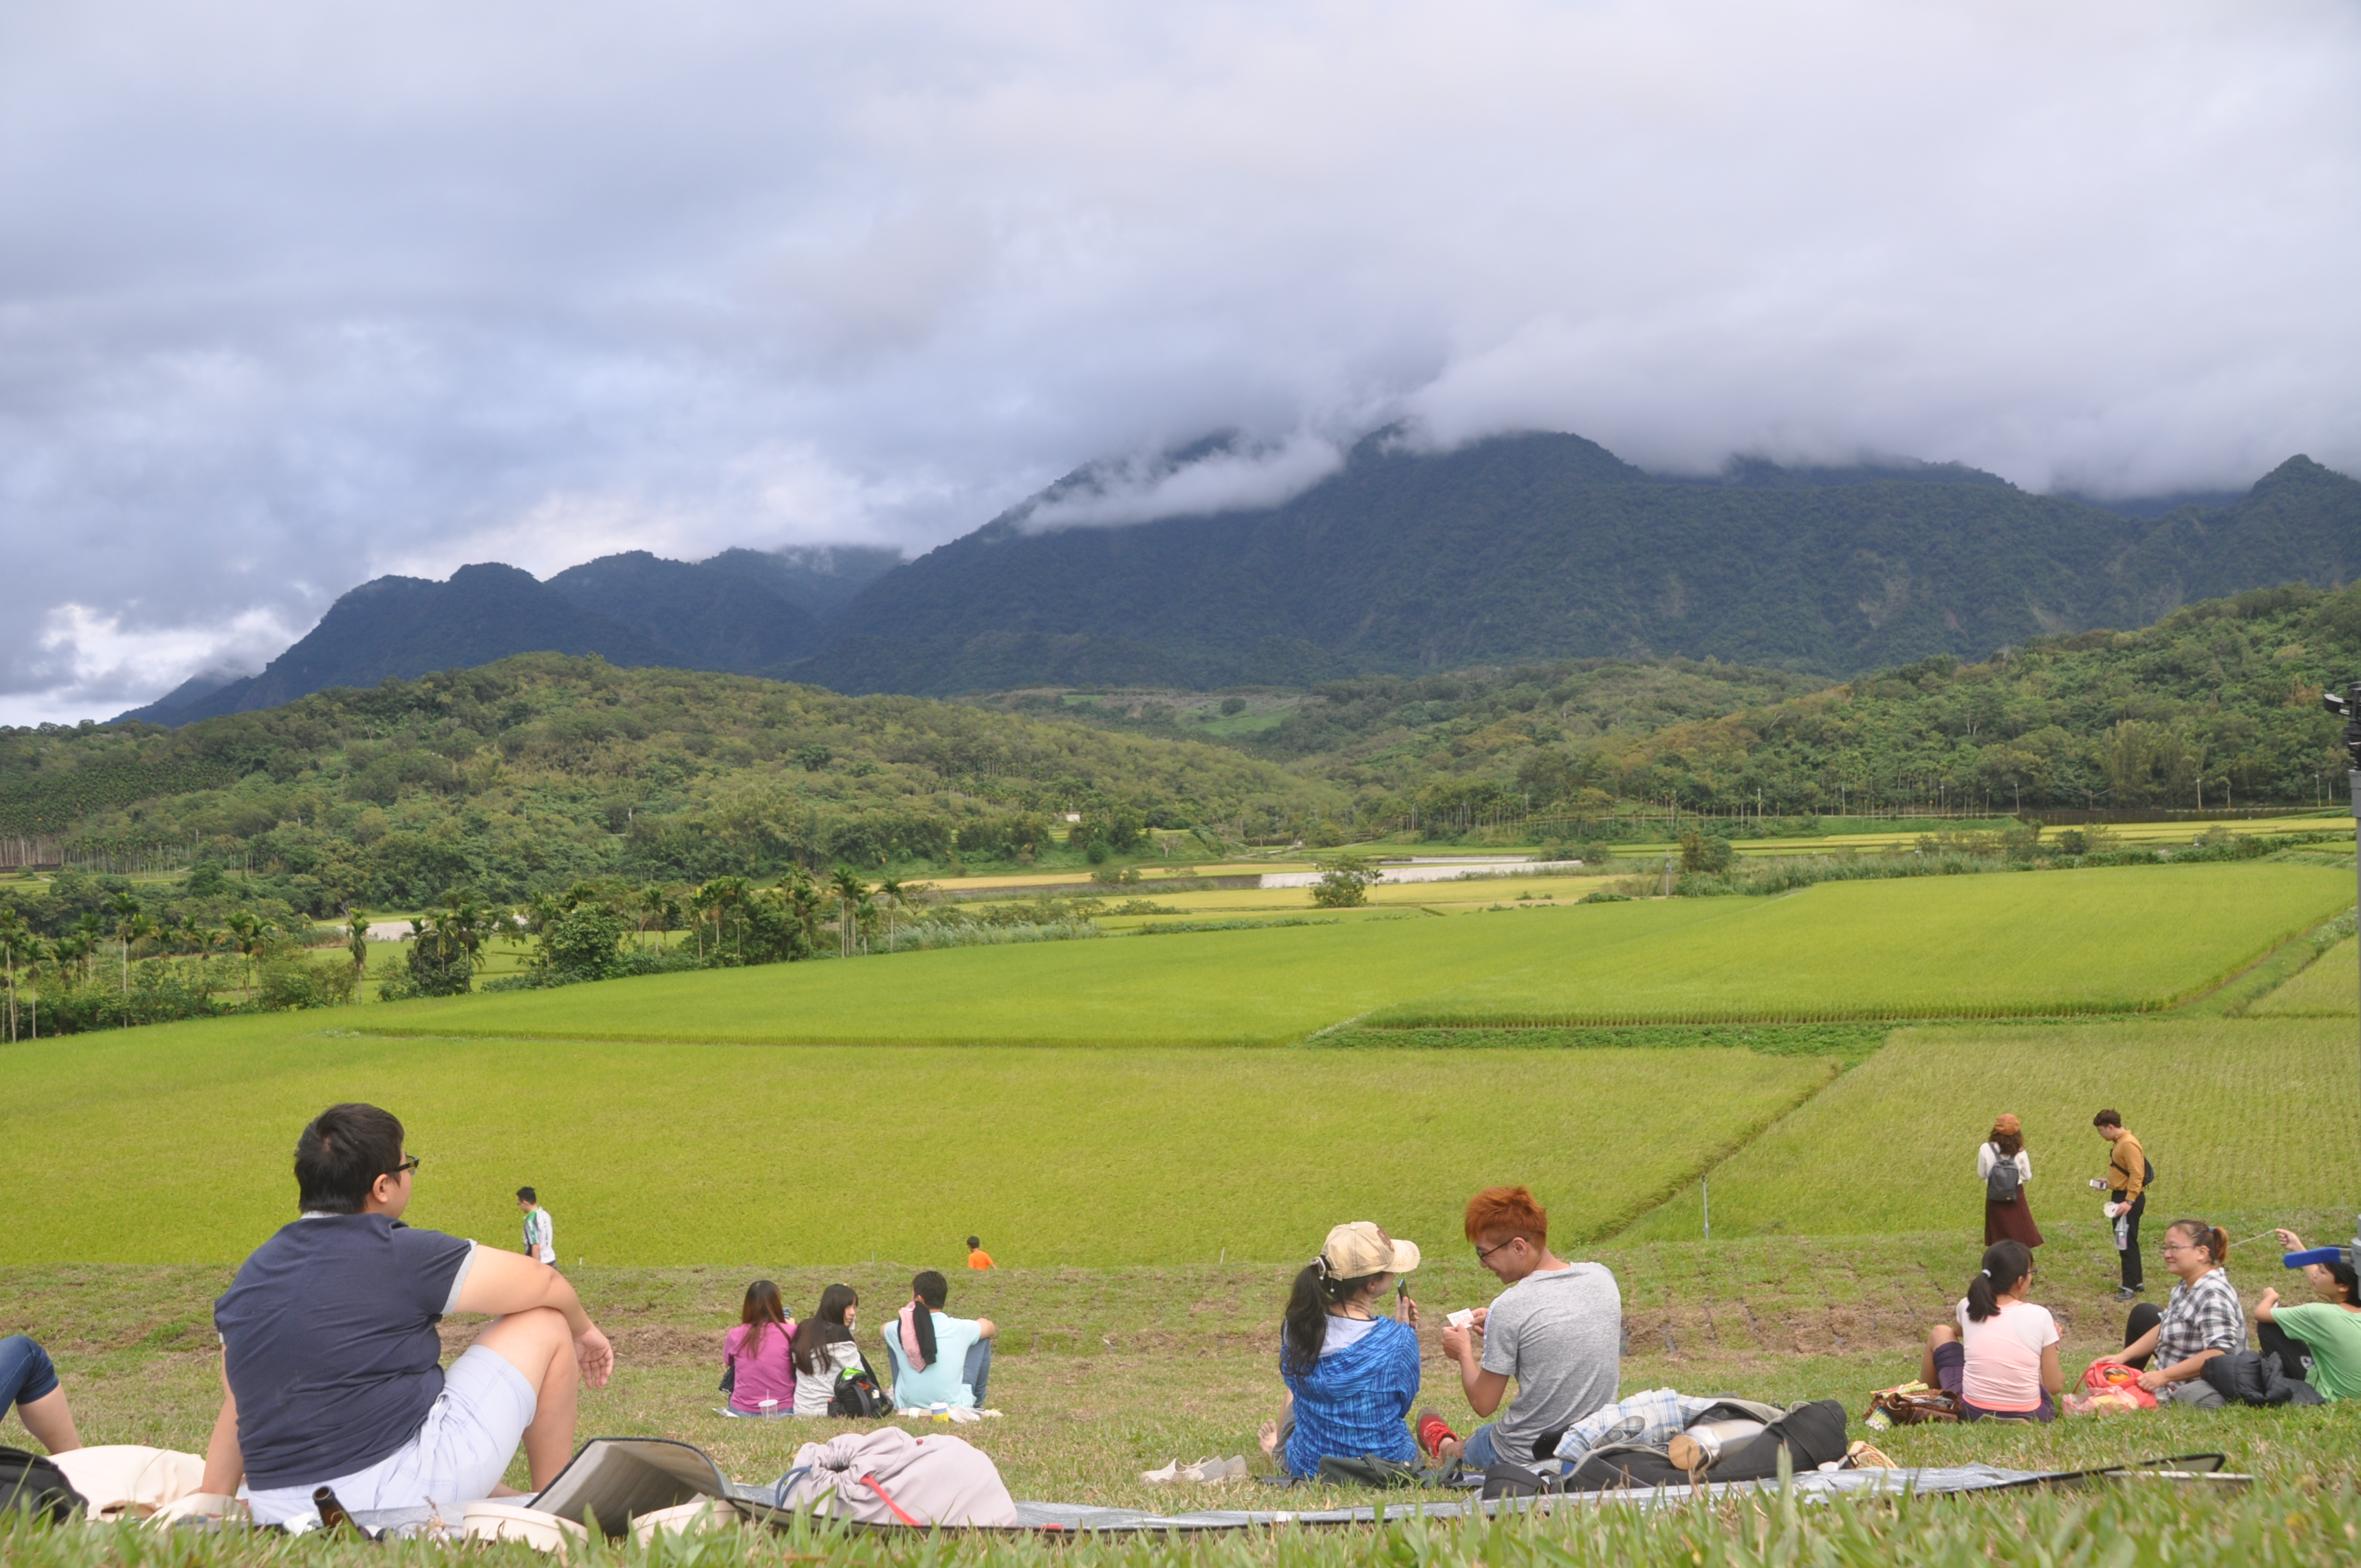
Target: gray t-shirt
[{"x": 1560, "y": 1334}]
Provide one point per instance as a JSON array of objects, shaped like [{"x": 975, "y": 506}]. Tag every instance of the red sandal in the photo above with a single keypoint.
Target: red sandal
[{"x": 1432, "y": 1432}]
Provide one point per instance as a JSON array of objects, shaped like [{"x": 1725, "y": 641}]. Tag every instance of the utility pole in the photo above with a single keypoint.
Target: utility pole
[{"x": 2347, "y": 708}]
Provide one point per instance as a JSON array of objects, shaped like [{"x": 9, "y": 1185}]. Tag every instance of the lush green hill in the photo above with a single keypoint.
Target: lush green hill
[
  {"x": 538, "y": 770},
  {"x": 2223, "y": 693},
  {"x": 1548, "y": 546}
]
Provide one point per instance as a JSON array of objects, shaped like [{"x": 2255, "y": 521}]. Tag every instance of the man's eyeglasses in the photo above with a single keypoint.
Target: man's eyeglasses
[
  {"x": 405, "y": 1168},
  {"x": 1482, "y": 1253}
]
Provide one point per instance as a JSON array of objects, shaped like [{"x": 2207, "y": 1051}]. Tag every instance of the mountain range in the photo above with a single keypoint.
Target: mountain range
[{"x": 1534, "y": 546}]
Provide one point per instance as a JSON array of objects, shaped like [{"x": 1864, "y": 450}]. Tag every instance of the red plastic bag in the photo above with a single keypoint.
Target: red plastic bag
[{"x": 2109, "y": 1386}]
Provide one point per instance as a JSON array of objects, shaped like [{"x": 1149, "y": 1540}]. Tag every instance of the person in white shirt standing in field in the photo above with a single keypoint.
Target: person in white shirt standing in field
[{"x": 540, "y": 1231}]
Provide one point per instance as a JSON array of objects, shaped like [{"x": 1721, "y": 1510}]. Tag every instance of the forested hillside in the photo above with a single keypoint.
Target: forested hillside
[
  {"x": 535, "y": 772},
  {"x": 1549, "y": 546},
  {"x": 2218, "y": 704},
  {"x": 531, "y": 773}
]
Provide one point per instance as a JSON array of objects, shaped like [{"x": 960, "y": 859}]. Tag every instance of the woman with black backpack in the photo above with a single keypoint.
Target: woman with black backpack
[
  {"x": 2004, "y": 1168},
  {"x": 824, "y": 1350}
]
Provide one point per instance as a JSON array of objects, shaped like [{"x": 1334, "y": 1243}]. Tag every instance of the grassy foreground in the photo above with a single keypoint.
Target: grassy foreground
[
  {"x": 1107, "y": 1373},
  {"x": 2086, "y": 941}
]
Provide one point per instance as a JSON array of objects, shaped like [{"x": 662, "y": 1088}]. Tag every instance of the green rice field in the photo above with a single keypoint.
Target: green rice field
[
  {"x": 2092, "y": 941},
  {"x": 172, "y": 1144},
  {"x": 2236, "y": 1114},
  {"x": 1147, "y": 1196},
  {"x": 2327, "y": 988}
]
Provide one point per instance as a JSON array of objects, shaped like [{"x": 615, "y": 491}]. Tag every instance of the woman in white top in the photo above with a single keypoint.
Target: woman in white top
[
  {"x": 2009, "y": 1220},
  {"x": 823, "y": 1348},
  {"x": 2001, "y": 1357}
]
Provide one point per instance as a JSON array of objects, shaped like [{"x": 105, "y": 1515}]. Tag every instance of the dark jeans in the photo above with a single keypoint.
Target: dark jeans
[
  {"x": 2133, "y": 1277},
  {"x": 2295, "y": 1356},
  {"x": 2144, "y": 1317},
  {"x": 977, "y": 1369},
  {"x": 26, "y": 1374}
]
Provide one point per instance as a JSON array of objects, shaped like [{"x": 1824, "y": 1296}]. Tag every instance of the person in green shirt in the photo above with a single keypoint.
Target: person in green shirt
[{"x": 2320, "y": 1341}]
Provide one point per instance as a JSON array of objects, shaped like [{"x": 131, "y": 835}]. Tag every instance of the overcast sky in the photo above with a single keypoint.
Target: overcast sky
[{"x": 294, "y": 295}]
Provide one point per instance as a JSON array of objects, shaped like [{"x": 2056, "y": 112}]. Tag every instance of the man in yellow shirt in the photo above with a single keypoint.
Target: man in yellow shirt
[
  {"x": 2126, "y": 1185},
  {"x": 976, "y": 1257}
]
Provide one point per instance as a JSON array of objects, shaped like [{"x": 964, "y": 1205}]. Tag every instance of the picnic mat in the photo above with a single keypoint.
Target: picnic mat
[
  {"x": 617, "y": 1478},
  {"x": 1814, "y": 1485}
]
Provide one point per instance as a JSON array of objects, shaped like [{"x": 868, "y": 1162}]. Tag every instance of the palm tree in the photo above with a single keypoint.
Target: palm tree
[
  {"x": 12, "y": 932},
  {"x": 68, "y": 951},
  {"x": 731, "y": 893},
  {"x": 135, "y": 927},
  {"x": 655, "y": 905},
  {"x": 357, "y": 937},
  {"x": 131, "y": 924},
  {"x": 850, "y": 891},
  {"x": 36, "y": 953},
  {"x": 803, "y": 897},
  {"x": 93, "y": 931},
  {"x": 247, "y": 933},
  {"x": 209, "y": 939},
  {"x": 890, "y": 895}
]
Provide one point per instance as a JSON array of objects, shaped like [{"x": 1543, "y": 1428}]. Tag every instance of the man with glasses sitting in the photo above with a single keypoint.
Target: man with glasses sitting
[
  {"x": 1557, "y": 1330},
  {"x": 331, "y": 1368}
]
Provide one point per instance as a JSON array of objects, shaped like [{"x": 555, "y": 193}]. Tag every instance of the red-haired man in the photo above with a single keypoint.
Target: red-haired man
[{"x": 1557, "y": 1330}]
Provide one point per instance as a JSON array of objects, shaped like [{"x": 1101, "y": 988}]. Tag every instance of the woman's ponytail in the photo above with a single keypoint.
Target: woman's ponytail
[
  {"x": 928, "y": 1291},
  {"x": 1304, "y": 1330},
  {"x": 2005, "y": 1264},
  {"x": 2213, "y": 1238}
]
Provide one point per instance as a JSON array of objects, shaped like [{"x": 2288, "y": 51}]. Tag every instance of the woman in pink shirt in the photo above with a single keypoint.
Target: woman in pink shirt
[
  {"x": 2000, "y": 1360},
  {"x": 762, "y": 1369}
]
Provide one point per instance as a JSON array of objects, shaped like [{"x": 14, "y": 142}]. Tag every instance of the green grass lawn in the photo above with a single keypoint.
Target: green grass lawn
[
  {"x": 172, "y": 1142},
  {"x": 2238, "y": 1114},
  {"x": 1104, "y": 1373},
  {"x": 2038, "y": 943}
]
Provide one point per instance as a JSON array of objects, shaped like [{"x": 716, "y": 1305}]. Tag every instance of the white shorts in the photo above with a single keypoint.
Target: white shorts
[{"x": 462, "y": 1449}]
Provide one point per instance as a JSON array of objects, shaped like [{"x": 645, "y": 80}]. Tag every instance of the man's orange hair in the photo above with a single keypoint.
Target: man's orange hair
[{"x": 1498, "y": 1213}]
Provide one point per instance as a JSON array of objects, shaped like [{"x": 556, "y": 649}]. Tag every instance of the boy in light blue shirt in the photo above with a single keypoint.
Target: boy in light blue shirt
[{"x": 937, "y": 1359}]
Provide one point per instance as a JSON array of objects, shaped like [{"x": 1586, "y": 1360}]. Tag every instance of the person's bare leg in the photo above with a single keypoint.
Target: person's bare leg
[
  {"x": 1269, "y": 1435},
  {"x": 537, "y": 1345},
  {"x": 49, "y": 1420},
  {"x": 1941, "y": 1334}
]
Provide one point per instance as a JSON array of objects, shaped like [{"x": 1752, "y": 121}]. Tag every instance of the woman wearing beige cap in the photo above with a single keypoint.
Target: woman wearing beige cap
[
  {"x": 2008, "y": 1212},
  {"x": 1351, "y": 1376}
]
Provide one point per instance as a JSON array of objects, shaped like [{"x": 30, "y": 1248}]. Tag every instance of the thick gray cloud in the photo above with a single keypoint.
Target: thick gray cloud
[{"x": 290, "y": 296}]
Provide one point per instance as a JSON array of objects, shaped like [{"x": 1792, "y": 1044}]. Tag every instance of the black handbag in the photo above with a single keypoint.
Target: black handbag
[{"x": 33, "y": 1482}]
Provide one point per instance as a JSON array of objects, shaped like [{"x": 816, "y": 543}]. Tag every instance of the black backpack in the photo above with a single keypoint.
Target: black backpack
[
  {"x": 2005, "y": 1181},
  {"x": 33, "y": 1482},
  {"x": 858, "y": 1395},
  {"x": 1812, "y": 1435}
]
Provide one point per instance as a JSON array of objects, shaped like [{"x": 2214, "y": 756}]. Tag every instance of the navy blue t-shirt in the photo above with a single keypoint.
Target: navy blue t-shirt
[{"x": 328, "y": 1336}]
